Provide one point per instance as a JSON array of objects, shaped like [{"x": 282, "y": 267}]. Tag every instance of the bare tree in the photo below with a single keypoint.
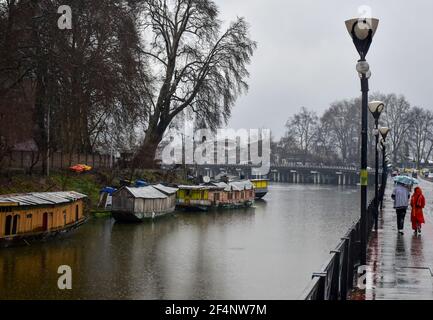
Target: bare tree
[
  {"x": 194, "y": 66},
  {"x": 323, "y": 147},
  {"x": 341, "y": 124},
  {"x": 397, "y": 117},
  {"x": 303, "y": 127},
  {"x": 421, "y": 134},
  {"x": 337, "y": 135},
  {"x": 286, "y": 149},
  {"x": 86, "y": 81}
]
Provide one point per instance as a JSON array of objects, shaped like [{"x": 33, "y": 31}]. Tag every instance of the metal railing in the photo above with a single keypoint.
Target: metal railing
[{"x": 337, "y": 276}]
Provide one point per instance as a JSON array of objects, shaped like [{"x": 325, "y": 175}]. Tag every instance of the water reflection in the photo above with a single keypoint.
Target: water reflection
[
  {"x": 23, "y": 271},
  {"x": 265, "y": 252}
]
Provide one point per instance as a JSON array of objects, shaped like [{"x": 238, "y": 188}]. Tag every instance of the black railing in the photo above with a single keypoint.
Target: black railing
[{"x": 337, "y": 276}]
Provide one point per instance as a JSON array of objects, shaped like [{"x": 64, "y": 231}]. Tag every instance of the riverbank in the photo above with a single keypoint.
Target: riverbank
[{"x": 89, "y": 183}]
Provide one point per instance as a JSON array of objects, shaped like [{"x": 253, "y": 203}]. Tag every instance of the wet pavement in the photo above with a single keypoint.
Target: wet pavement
[{"x": 402, "y": 265}]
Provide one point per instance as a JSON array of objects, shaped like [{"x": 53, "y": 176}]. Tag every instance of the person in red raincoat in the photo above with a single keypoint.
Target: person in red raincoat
[{"x": 417, "y": 203}]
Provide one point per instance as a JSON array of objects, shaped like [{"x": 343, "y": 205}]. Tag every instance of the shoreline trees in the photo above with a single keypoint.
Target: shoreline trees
[
  {"x": 121, "y": 75},
  {"x": 82, "y": 80},
  {"x": 338, "y": 132}
]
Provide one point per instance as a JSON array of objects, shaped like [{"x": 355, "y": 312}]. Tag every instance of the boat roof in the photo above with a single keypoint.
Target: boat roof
[
  {"x": 220, "y": 185},
  {"x": 241, "y": 185},
  {"x": 258, "y": 179},
  {"x": 165, "y": 189},
  {"x": 150, "y": 192},
  {"x": 200, "y": 187},
  {"x": 40, "y": 198}
]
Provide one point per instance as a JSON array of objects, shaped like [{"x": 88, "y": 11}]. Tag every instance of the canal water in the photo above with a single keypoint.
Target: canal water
[{"x": 265, "y": 252}]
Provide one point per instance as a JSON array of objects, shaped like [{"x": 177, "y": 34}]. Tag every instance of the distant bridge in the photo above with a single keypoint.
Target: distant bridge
[{"x": 291, "y": 173}]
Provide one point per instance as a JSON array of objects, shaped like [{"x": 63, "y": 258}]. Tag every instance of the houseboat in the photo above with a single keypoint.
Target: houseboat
[
  {"x": 27, "y": 217},
  {"x": 136, "y": 204},
  {"x": 233, "y": 194},
  {"x": 260, "y": 187},
  {"x": 197, "y": 197}
]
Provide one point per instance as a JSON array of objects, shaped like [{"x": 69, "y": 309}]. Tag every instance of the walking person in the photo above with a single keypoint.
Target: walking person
[
  {"x": 417, "y": 216},
  {"x": 401, "y": 196}
]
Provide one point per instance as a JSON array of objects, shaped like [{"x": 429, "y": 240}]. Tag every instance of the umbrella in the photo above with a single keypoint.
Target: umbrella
[
  {"x": 406, "y": 180},
  {"x": 80, "y": 168}
]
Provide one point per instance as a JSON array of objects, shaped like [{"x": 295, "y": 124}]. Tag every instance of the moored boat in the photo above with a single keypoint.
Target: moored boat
[
  {"x": 260, "y": 187},
  {"x": 131, "y": 204},
  {"x": 28, "y": 217},
  {"x": 236, "y": 194},
  {"x": 233, "y": 194},
  {"x": 196, "y": 197}
]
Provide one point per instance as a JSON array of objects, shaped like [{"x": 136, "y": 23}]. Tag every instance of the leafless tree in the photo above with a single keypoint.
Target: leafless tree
[
  {"x": 336, "y": 137},
  {"x": 397, "y": 117},
  {"x": 421, "y": 134},
  {"x": 195, "y": 65},
  {"x": 341, "y": 124},
  {"x": 86, "y": 81},
  {"x": 303, "y": 128},
  {"x": 286, "y": 149}
]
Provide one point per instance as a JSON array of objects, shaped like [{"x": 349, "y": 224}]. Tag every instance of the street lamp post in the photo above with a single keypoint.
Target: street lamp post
[
  {"x": 376, "y": 108},
  {"x": 362, "y": 31},
  {"x": 384, "y": 169},
  {"x": 384, "y": 133}
]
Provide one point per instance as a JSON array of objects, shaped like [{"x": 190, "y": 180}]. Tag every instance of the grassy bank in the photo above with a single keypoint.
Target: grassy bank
[{"x": 87, "y": 183}]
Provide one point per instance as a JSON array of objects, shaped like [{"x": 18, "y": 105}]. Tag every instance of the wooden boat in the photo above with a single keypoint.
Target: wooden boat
[
  {"x": 260, "y": 187},
  {"x": 139, "y": 204},
  {"x": 236, "y": 194},
  {"x": 28, "y": 217},
  {"x": 197, "y": 197},
  {"x": 215, "y": 195}
]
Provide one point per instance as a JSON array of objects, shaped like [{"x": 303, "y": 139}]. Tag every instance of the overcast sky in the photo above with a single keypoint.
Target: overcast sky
[{"x": 305, "y": 56}]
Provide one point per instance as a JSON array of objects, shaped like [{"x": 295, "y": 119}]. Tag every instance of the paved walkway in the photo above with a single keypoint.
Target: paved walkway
[{"x": 402, "y": 265}]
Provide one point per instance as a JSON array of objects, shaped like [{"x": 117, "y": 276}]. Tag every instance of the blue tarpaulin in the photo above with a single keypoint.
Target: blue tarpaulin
[
  {"x": 109, "y": 190},
  {"x": 141, "y": 183}
]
